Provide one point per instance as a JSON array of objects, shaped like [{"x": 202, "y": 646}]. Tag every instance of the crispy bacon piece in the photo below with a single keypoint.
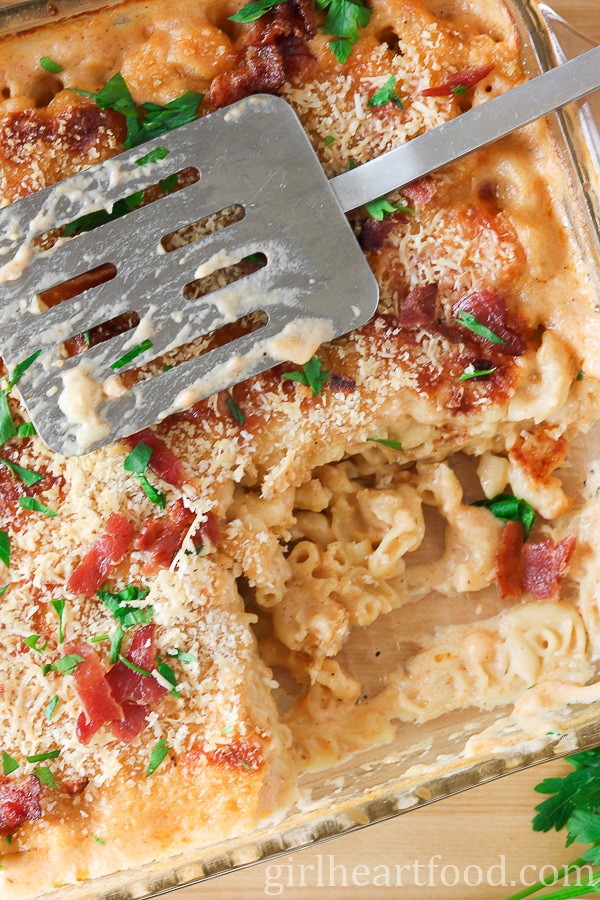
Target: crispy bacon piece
[
  {"x": 131, "y": 726},
  {"x": 339, "y": 383},
  {"x": 544, "y": 566},
  {"x": 75, "y": 787},
  {"x": 163, "y": 461},
  {"x": 466, "y": 78},
  {"x": 94, "y": 692},
  {"x": 129, "y": 686},
  {"x": 489, "y": 308},
  {"x": 421, "y": 191},
  {"x": 163, "y": 537},
  {"x": 418, "y": 309},
  {"x": 374, "y": 232},
  {"x": 19, "y": 801},
  {"x": 509, "y": 561},
  {"x": 275, "y": 50},
  {"x": 106, "y": 552}
]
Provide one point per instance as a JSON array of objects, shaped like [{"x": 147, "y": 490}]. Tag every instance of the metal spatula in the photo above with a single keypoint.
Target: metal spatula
[{"x": 315, "y": 285}]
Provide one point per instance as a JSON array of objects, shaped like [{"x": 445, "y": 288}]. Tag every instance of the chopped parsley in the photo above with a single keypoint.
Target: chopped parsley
[
  {"x": 137, "y": 463},
  {"x": 160, "y": 751},
  {"x": 169, "y": 675},
  {"x": 50, "y": 708},
  {"x": 580, "y": 375},
  {"x": 509, "y": 508},
  {"x": 45, "y": 775},
  {"x": 380, "y": 208},
  {"x": 9, "y": 764},
  {"x": 35, "y": 506},
  {"x": 473, "y": 324},
  {"x": 42, "y": 757},
  {"x": 99, "y": 840},
  {"x": 153, "y": 156},
  {"x": 471, "y": 372},
  {"x": 27, "y": 477},
  {"x": 156, "y": 121},
  {"x": 328, "y": 140},
  {"x": 115, "y": 644},
  {"x": 66, "y": 665},
  {"x": 459, "y": 89},
  {"x": 236, "y": 412},
  {"x": 386, "y": 94},
  {"x": 99, "y": 637},
  {"x": 395, "y": 445},
  {"x": 126, "y": 616},
  {"x": 312, "y": 375},
  {"x": 133, "y": 667},
  {"x": 102, "y": 216},
  {"x": 32, "y": 642},
  {"x": 227, "y": 729},
  {"x": 4, "y": 589},
  {"x": 5, "y": 548},
  {"x": 22, "y": 367},
  {"x": 182, "y": 656},
  {"x": 7, "y": 426},
  {"x": 132, "y": 354},
  {"x": 343, "y": 22},
  {"x": 50, "y": 65},
  {"x": 26, "y": 429},
  {"x": 59, "y": 607},
  {"x": 253, "y": 11}
]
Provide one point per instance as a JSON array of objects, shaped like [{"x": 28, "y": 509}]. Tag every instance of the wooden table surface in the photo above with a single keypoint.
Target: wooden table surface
[{"x": 483, "y": 835}]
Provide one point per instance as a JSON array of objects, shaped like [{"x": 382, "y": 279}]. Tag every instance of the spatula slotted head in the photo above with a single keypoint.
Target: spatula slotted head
[{"x": 252, "y": 158}]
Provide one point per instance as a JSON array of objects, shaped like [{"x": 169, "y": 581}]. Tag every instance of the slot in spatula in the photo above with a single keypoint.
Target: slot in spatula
[{"x": 314, "y": 286}]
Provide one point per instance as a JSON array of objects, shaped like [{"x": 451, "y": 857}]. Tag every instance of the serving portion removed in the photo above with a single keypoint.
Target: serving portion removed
[{"x": 296, "y": 569}]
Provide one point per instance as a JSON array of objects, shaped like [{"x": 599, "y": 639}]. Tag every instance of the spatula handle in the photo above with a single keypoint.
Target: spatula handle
[{"x": 479, "y": 126}]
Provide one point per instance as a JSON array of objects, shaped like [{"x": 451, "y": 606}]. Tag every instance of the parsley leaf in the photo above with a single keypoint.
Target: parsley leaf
[
  {"x": 182, "y": 655},
  {"x": 35, "y": 506},
  {"x": 153, "y": 156},
  {"x": 50, "y": 708},
  {"x": 160, "y": 751},
  {"x": 386, "y": 94},
  {"x": 4, "y": 589},
  {"x": 343, "y": 22},
  {"x": 236, "y": 412},
  {"x": 126, "y": 616},
  {"x": 102, "y": 216},
  {"x": 26, "y": 429},
  {"x": 381, "y": 207},
  {"x": 137, "y": 463},
  {"x": 475, "y": 373},
  {"x": 33, "y": 640},
  {"x": 50, "y": 65},
  {"x": 5, "y": 548},
  {"x": 132, "y": 354},
  {"x": 9, "y": 764},
  {"x": 395, "y": 445},
  {"x": 45, "y": 775},
  {"x": 7, "y": 426},
  {"x": 66, "y": 665},
  {"x": 473, "y": 324},
  {"x": 511, "y": 509},
  {"x": 27, "y": 477},
  {"x": 133, "y": 667},
  {"x": 59, "y": 607},
  {"x": 169, "y": 675},
  {"x": 42, "y": 757},
  {"x": 312, "y": 375},
  {"x": 253, "y": 11},
  {"x": 22, "y": 367}
]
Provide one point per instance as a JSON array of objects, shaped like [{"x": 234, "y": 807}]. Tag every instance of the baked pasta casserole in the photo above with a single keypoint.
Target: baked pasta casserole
[{"x": 178, "y": 610}]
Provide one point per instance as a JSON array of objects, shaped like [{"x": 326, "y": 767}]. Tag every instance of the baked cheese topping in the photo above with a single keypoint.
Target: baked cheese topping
[{"x": 182, "y": 612}]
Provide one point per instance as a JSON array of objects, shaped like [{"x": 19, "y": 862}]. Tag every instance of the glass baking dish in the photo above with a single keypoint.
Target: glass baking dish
[{"x": 424, "y": 762}]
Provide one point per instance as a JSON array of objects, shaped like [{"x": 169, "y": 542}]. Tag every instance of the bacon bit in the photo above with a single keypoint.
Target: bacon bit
[
  {"x": 129, "y": 686},
  {"x": 509, "y": 561},
  {"x": 133, "y": 724},
  {"x": 421, "y": 191},
  {"x": 466, "y": 78},
  {"x": 544, "y": 566},
  {"x": 162, "y": 537},
  {"x": 490, "y": 309},
  {"x": 419, "y": 307},
  {"x": 19, "y": 801},
  {"x": 163, "y": 461},
  {"x": 275, "y": 51},
  {"x": 538, "y": 453},
  {"x": 339, "y": 383},
  {"x": 374, "y": 232},
  {"x": 237, "y": 755},
  {"x": 106, "y": 552},
  {"x": 76, "y": 787},
  {"x": 94, "y": 692}
]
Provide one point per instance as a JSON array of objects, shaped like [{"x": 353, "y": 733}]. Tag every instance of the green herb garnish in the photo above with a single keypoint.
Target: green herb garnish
[
  {"x": 27, "y": 477},
  {"x": 473, "y": 324},
  {"x": 50, "y": 708},
  {"x": 182, "y": 656},
  {"x": 153, "y": 156},
  {"x": 328, "y": 140},
  {"x": 511, "y": 509},
  {"x": 344, "y": 20},
  {"x": 137, "y": 463},
  {"x": 32, "y": 642},
  {"x": 4, "y": 588},
  {"x": 5, "y": 548},
  {"x": 168, "y": 184},
  {"x": 66, "y": 665},
  {"x": 115, "y": 644},
  {"x": 386, "y": 94},
  {"x": 133, "y": 667},
  {"x": 395, "y": 445},
  {"x": 169, "y": 675},
  {"x": 126, "y": 616},
  {"x": 50, "y": 65},
  {"x": 101, "y": 217},
  {"x": 59, "y": 606},
  {"x": 253, "y": 11},
  {"x": 160, "y": 751},
  {"x": 9, "y": 764},
  {"x": 99, "y": 841},
  {"x": 132, "y": 354},
  {"x": 45, "y": 775},
  {"x": 7, "y": 426},
  {"x": 236, "y": 412},
  {"x": 476, "y": 373},
  {"x": 26, "y": 429},
  {"x": 459, "y": 89},
  {"x": 35, "y": 506},
  {"x": 380, "y": 208},
  {"x": 312, "y": 375},
  {"x": 22, "y": 367},
  {"x": 42, "y": 757}
]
